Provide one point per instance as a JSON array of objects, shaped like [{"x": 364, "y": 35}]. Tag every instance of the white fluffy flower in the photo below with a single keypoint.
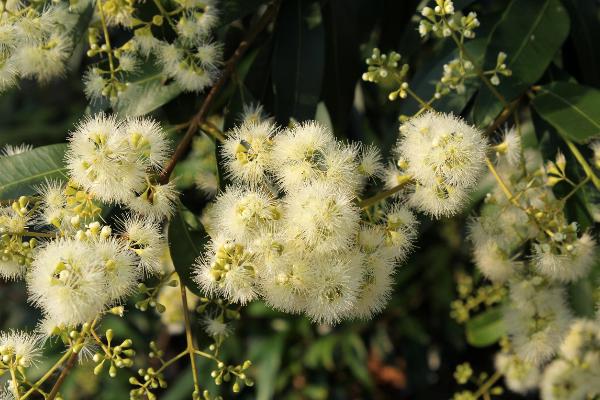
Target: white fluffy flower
[
  {"x": 561, "y": 381},
  {"x": 400, "y": 231},
  {"x": 215, "y": 327},
  {"x": 439, "y": 200},
  {"x": 44, "y": 61},
  {"x": 8, "y": 74},
  {"x": 154, "y": 201},
  {"x": 119, "y": 264},
  {"x": 53, "y": 205},
  {"x": 147, "y": 140},
  {"x": 322, "y": 216},
  {"x": 228, "y": 269},
  {"x": 375, "y": 285},
  {"x": 145, "y": 239},
  {"x": 248, "y": 151},
  {"x": 100, "y": 161},
  {"x": 94, "y": 84},
  {"x": 536, "y": 320},
  {"x": 582, "y": 343},
  {"x": 493, "y": 262},
  {"x": 510, "y": 147},
  {"x": 520, "y": 376},
  {"x": 285, "y": 283},
  {"x": 333, "y": 287},
  {"x": 68, "y": 282},
  {"x": 12, "y": 222},
  {"x": 300, "y": 153},
  {"x": 574, "y": 262},
  {"x": 185, "y": 68},
  {"x": 19, "y": 348},
  {"x": 442, "y": 147},
  {"x": 370, "y": 164},
  {"x": 242, "y": 213},
  {"x": 11, "y": 269}
]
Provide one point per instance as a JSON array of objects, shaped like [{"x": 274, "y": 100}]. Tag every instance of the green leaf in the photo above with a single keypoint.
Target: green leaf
[
  {"x": 298, "y": 60},
  {"x": 142, "y": 98},
  {"x": 355, "y": 356},
  {"x": 186, "y": 242},
  {"x": 571, "y": 109},
  {"x": 146, "y": 92},
  {"x": 21, "y": 172},
  {"x": 266, "y": 355},
  {"x": 321, "y": 352},
  {"x": 530, "y": 33},
  {"x": 486, "y": 328}
]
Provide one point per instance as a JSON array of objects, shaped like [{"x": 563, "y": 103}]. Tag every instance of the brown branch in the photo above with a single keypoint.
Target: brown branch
[
  {"x": 63, "y": 375},
  {"x": 228, "y": 70},
  {"x": 504, "y": 115}
]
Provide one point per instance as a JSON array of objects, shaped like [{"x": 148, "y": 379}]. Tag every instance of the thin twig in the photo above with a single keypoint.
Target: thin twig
[
  {"x": 189, "y": 338},
  {"x": 63, "y": 375},
  {"x": 230, "y": 65},
  {"x": 504, "y": 115},
  {"x": 402, "y": 181}
]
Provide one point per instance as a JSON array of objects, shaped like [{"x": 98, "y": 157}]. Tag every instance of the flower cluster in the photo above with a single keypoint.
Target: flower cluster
[
  {"x": 575, "y": 374},
  {"x": 443, "y": 156},
  {"x": 289, "y": 228},
  {"x": 525, "y": 243},
  {"x": 77, "y": 268},
  {"x": 36, "y": 39},
  {"x": 175, "y": 37}
]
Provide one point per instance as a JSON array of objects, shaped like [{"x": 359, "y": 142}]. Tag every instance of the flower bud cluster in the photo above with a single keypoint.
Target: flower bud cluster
[
  {"x": 289, "y": 230},
  {"x": 16, "y": 251},
  {"x": 386, "y": 70},
  {"x": 119, "y": 356}
]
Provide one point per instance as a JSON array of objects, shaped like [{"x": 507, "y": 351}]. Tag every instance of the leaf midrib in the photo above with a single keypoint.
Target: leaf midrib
[{"x": 534, "y": 26}]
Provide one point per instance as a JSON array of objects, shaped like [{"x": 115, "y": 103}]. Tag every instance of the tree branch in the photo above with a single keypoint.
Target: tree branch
[
  {"x": 230, "y": 65},
  {"x": 63, "y": 375}
]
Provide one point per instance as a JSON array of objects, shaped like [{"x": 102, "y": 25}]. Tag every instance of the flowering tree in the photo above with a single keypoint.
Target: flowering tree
[{"x": 200, "y": 183}]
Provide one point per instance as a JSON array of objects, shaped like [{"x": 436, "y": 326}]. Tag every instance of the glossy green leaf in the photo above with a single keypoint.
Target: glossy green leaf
[
  {"x": 186, "y": 242},
  {"x": 486, "y": 328},
  {"x": 298, "y": 60},
  {"x": 21, "y": 172},
  {"x": 146, "y": 92},
  {"x": 266, "y": 355},
  {"x": 355, "y": 355},
  {"x": 530, "y": 32},
  {"x": 571, "y": 109}
]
